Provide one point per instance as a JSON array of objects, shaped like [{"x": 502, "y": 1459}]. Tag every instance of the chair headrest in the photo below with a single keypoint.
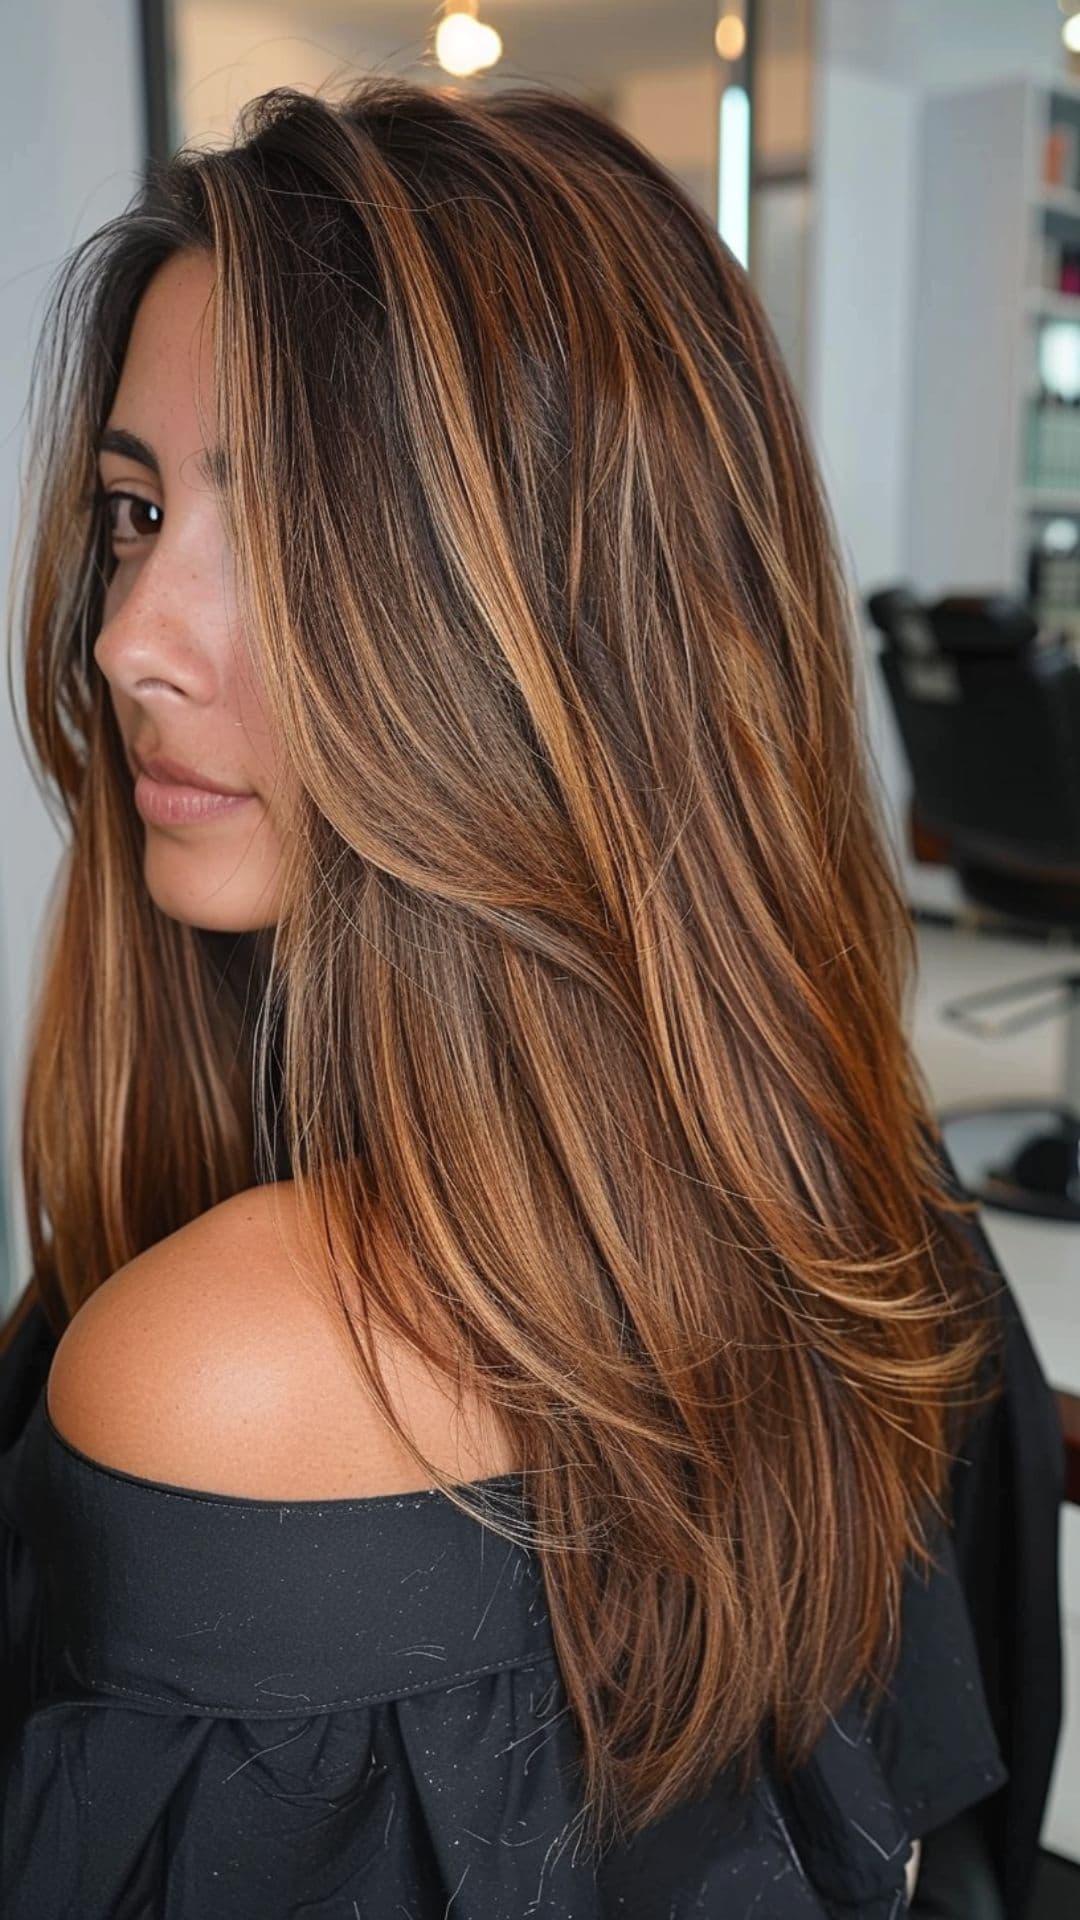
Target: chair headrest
[
  {"x": 958, "y": 623},
  {"x": 982, "y": 623}
]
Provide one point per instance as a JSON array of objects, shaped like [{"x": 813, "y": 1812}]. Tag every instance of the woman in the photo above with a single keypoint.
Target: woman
[{"x": 478, "y": 1430}]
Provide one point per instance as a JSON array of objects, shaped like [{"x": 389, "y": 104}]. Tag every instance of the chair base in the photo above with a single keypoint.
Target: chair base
[{"x": 1022, "y": 1156}]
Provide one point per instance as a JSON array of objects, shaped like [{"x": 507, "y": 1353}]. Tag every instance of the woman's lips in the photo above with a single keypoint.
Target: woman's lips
[{"x": 164, "y": 803}]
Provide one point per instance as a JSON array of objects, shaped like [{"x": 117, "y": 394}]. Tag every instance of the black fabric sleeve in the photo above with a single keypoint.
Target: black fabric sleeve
[
  {"x": 933, "y": 1730},
  {"x": 1008, "y": 1485}
]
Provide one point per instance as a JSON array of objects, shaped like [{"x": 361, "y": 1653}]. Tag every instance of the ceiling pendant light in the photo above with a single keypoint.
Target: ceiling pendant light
[{"x": 464, "y": 44}]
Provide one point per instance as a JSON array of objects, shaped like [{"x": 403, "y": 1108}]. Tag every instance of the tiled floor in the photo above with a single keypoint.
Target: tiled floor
[{"x": 1040, "y": 1257}]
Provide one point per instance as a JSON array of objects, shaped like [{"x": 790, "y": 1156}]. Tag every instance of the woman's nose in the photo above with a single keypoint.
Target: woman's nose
[{"x": 150, "y": 636}]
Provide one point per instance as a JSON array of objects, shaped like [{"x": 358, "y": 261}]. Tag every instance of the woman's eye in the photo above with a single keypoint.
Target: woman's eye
[{"x": 129, "y": 517}]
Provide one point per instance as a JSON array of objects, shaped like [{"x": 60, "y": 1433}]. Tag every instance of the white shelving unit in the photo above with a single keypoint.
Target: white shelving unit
[{"x": 983, "y": 210}]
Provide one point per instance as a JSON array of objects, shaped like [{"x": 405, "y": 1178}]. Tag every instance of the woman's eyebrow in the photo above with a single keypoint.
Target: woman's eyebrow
[{"x": 211, "y": 463}]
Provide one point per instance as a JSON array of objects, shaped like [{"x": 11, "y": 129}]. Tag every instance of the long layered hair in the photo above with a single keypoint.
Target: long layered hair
[{"x": 592, "y": 967}]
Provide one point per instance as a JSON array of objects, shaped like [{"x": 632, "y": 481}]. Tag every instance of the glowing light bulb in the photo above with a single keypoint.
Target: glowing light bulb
[
  {"x": 730, "y": 37},
  {"x": 464, "y": 44},
  {"x": 1070, "y": 33}
]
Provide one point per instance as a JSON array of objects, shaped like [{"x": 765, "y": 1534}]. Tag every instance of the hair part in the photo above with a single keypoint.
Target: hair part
[{"x": 591, "y": 974}]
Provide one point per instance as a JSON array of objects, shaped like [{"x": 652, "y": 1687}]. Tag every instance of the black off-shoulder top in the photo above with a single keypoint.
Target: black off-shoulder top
[{"x": 216, "y": 1708}]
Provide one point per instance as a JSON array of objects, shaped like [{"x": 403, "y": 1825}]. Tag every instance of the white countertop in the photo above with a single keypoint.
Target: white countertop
[{"x": 1040, "y": 1257}]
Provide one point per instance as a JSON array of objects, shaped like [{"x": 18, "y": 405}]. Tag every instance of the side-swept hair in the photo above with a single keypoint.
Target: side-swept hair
[{"x": 592, "y": 964}]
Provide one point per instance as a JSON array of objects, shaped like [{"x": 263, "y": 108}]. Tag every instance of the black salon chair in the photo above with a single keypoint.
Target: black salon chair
[{"x": 988, "y": 709}]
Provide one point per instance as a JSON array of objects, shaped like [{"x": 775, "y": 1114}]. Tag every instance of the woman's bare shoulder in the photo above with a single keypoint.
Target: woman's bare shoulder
[{"x": 218, "y": 1360}]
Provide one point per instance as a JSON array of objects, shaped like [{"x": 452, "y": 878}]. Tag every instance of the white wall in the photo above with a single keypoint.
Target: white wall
[
  {"x": 944, "y": 43},
  {"x": 70, "y": 107},
  {"x": 858, "y": 353},
  {"x": 876, "y": 63},
  {"x": 860, "y": 331}
]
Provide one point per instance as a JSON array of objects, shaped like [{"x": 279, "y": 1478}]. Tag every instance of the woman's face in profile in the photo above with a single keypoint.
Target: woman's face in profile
[{"x": 182, "y": 685}]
